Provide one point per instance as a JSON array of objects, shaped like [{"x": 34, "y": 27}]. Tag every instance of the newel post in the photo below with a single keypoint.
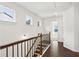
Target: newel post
[
  {"x": 49, "y": 37},
  {"x": 41, "y": 43}
]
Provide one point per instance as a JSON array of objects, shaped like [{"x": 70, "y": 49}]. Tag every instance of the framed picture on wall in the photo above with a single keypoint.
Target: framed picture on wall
[
  {"x": 28, "y": 20},
  {"x": 7, "y": 14},
  {"x": 38, "y": 23}
]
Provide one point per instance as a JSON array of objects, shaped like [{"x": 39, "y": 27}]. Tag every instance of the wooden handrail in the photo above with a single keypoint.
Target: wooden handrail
[{"x": 17, "y": 42}]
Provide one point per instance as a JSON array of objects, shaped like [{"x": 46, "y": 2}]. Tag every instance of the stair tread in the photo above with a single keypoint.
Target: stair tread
[
  {"x": 39, "y": 52},
  {"x": 39, "y": 48},
  {"x": 45, "y": 42},
  {"x": 35, "y": 55},
  {"x": 42, "y": 45}
]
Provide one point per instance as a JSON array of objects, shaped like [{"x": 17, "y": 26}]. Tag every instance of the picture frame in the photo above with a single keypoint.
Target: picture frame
[
  {"x": 38, "y": 23},
  {"x": 7, "y": 14},
  {"x": 28, "y": 20}
]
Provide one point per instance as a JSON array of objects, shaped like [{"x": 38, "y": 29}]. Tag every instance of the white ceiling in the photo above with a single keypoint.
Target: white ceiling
[{"x": 46, "y": 9}]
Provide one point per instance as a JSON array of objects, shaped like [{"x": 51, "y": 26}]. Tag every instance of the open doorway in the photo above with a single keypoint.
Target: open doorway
[{"x": 55, "y": 30}]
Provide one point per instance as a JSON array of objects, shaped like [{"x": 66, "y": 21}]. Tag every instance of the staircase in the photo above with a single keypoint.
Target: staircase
[{"x": 37, "y": 53}]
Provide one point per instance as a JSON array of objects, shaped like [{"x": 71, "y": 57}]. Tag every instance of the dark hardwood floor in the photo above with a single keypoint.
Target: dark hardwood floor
[{"x": 57, "y": 50}]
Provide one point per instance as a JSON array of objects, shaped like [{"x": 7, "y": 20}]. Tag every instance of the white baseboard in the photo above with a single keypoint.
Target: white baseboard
[{"x": 72, "y": 49}]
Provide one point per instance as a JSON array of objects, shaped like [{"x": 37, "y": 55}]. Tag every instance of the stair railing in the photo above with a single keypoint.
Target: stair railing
[
  {"x": 25, "y": 48},
  {"x": 21, "y": 45},
  {"x": 31, "y": 48}
]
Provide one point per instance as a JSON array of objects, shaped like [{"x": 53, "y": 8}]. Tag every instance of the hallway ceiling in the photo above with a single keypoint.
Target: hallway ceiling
[{"x": 46, "y": 9}]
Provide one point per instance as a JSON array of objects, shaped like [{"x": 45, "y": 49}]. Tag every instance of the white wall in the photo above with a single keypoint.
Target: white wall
[
  {"x": 76, "y": 6},
  {"x": 71, "y": 28},
  {"x": 68, "y": 21},
  {"x": 48, "y": 26},
  {"x": 10, "y": 32}
]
